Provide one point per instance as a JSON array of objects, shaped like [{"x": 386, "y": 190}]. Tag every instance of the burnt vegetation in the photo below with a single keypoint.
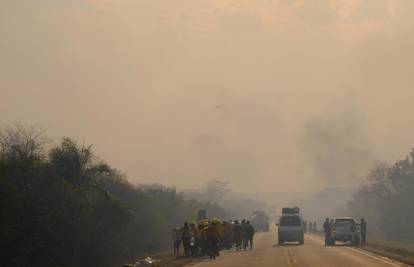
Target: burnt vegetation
[{"x": 64, "y": 207}]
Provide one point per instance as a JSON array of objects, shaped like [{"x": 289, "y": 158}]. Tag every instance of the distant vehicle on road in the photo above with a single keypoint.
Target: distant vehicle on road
[
  {"x": 346, "y": 229},
  {"x": 294, "y": 210},
  {"x": 260, "y": 221},
  {"x": 290, "y": 226}
]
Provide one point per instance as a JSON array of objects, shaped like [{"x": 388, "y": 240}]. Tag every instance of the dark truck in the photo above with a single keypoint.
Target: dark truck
[
  {"x": 260, "y": 221},
  {"x": 346, "y": 229}
]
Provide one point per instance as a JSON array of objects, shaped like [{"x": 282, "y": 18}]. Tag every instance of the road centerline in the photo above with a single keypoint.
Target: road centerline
[{"x": 290, "y": 259}]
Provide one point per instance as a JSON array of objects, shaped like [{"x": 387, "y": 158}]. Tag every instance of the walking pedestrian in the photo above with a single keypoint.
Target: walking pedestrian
[
  {"x": 186, "y": 238},
  {"x": 237, "y": 235},
  {"x": 244, "y": 234},
  {"x": 250, "y": 234},
  {"x": 327, "y": 231},
  {"x": 213, "y": 240},
  {"x": 363, "y": 232}
]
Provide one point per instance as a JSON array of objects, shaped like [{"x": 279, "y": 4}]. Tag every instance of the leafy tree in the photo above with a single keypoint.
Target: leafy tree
[
  {"x": 386, "y": 200},
  {"x": 63, "y": 207}
]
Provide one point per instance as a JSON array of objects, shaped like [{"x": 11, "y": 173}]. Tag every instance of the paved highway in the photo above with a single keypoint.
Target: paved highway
[{"x": 314, "y": 254}]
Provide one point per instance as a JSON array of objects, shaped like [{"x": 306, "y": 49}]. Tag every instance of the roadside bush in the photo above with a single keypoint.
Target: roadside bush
[{"x": 63, "y": 207}]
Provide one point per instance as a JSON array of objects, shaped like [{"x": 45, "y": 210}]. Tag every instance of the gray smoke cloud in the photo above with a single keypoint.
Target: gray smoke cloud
[
  {"x": 282, "y": 95},
  {"x": 339, "y": 148}
]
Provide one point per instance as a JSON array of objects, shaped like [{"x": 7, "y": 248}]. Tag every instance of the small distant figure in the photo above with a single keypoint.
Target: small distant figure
[
  {"x": 314, "y": 227},
  {"x": 331, "y": 226},
  {"x": 213, "y": 240},
  {"x": 186, "y": 238},
  {"x": 227, "y": 235},
  {"x": 305, "y": 226},
  {"x": 194, "y": 240},
  {"x": 237, "y": 235},
  {"x": 244, "y": 234},
  {"x": 250, "y": 233},
  {"x": 310, "y": 227},
  {"x": 327, "y": 230},
  {"x": 177, "y": 238},
  {"x": 363, "y": 232}
]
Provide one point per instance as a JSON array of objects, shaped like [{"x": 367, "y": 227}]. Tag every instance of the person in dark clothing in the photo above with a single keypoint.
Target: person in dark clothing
[
  {"x": 305, "y": 227},
  {"x": 186, "y": 238},
  {"x": 203, "y": 242},
  {"x": 250, "y": 233},
  {"x": 244, "y": 234},
  {"x": 363, "y": 232},
  {"x": 327, "y": 230},
  {"x": 213, "y": 240},
  {"x": 331, "y": 239},
  {"x": 237, "y": 235},
  {"x": 227, "y": 234},
  {"x": 310, "y": 227}
]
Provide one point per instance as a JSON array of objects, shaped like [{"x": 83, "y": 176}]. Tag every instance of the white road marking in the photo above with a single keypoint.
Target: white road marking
[
  {"x": 380, "y": 258},
  {"x": 377, "y": 257}
]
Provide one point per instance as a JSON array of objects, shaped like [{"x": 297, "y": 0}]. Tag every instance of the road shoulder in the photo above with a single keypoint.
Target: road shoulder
[{"x": 378, "y": 251}]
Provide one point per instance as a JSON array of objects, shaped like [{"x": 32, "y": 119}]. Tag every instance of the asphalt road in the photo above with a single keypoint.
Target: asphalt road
[{"x": 267, "y": 254}]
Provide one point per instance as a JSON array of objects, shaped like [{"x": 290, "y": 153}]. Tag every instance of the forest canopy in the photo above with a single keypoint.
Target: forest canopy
[
  {"x": 386, "y": 200},
  {"x": 63, "y": 206}
]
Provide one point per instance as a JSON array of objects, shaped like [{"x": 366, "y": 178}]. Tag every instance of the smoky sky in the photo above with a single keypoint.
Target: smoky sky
[{"x": 269, "y": 95}]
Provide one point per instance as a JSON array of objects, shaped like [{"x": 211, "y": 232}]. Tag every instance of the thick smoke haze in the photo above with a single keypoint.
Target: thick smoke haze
[{"x": 282, "y": 95}]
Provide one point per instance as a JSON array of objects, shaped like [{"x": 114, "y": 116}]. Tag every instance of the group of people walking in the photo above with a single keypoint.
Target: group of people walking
[
  {"x": 207, "y": 238},
  {"x": 242, "y": 235}
]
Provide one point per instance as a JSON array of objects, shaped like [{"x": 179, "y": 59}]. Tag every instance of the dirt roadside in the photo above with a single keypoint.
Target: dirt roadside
[
  {"x": 401, "y": 254},
  {"x": 168, "y": 260}
]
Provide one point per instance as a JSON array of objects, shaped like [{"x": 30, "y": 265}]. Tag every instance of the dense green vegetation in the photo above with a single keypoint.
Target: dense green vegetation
[
  {"x": 64, "y": 207},
  {"x": 387, "y": 199}
]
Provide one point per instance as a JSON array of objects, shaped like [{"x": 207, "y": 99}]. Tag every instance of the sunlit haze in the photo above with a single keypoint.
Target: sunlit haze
[{"x": 269, "y": 95}]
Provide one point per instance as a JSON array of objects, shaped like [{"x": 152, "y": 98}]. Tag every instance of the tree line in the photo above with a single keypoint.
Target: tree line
[
  {"x": 62, "y": 206},
  {"x": 386, "y": 200},
  {"x": 239, "y": 206}
]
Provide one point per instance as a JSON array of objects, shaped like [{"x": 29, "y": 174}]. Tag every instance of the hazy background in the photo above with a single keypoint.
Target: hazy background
[{"x": 282, "y": 95}]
